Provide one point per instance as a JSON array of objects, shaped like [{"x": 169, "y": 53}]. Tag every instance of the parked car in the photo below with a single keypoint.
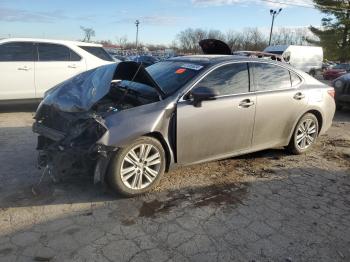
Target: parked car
[
  {"x": 336, "y": 71},
  {"x": 306, "y": 58},
  {"x": 128, "y": 124},
  {"x": 29, "y": 67},
  {"x": 119, "y": 58},
  {"x": 342, "y": 91},
  {"x": 146, "y": 60}
]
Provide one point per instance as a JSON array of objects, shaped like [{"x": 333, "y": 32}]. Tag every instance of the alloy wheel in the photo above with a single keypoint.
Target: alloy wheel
[
  {"x": 140, "y": 166},
  {"x": 306, "y": 133}
]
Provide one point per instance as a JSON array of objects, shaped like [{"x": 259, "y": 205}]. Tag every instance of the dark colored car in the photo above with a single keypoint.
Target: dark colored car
[
  {"x": 342, "y": 91},
  {"x": 119, "y": 58},
  {"x": 128, "y": 124},
  {"x": 145, "y": 60},
  {"x": 336, "y": 71}
]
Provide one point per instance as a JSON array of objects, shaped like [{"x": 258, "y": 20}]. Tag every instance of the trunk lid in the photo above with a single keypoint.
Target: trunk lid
[{"x": 215, "y": 47}]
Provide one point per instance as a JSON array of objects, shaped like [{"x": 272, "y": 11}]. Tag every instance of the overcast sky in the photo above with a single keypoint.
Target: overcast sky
[{"x": 160, "y": 20}]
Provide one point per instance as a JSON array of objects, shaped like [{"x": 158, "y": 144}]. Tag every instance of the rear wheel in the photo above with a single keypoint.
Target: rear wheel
[
  {"x": 138, "y": 167},
  {"x": 305, "y": 134}
]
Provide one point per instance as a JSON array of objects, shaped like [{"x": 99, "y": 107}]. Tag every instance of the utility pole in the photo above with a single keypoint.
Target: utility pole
[
  {"x": 274, "y": 13},
  {"x": 137, "y": 33}
]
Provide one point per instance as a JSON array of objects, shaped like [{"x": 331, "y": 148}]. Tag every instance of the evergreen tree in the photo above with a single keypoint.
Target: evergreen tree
[{"x": 334, "y": 36}]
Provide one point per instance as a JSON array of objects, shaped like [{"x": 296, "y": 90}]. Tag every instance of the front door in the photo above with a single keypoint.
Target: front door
[
  {"x": 219, "y": 127},
  {"x": 17, "y": 71}
]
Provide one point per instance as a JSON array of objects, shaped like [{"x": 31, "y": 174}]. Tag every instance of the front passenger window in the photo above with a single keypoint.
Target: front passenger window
[{"x": 228, "y": 79}]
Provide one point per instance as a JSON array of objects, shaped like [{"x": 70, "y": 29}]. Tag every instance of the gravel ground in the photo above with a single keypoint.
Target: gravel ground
[{"x": 267, "y": 206}]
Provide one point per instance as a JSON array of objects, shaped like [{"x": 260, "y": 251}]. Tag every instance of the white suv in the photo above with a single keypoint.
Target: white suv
[{"x": 29, "y": 67}]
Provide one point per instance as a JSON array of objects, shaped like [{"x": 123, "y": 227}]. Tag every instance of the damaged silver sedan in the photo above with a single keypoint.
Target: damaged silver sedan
[{"x": 127, "y": 125}]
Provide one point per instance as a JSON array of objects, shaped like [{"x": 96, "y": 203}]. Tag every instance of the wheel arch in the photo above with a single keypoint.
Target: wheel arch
[
  {"x": 313, "y": 111},
  {"x": 166, "y": 147},
  {"x": 318, "y": 116}
]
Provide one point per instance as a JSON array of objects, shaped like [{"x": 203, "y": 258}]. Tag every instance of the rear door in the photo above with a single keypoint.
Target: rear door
[
  {"x": 221, "y": 126},
  {"x": 55, "y": 64},
  {"x": 17, "y": 71},
  {"x": 280, "y": 101}
]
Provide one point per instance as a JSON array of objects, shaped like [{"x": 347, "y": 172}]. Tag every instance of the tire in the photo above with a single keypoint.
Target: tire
[
  {"x": 127, "y": 167},
  {"x": 304, "y": 135}
]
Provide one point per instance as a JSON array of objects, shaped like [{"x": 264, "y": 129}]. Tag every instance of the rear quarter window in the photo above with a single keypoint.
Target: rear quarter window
[{"x": 98, "y": 52}]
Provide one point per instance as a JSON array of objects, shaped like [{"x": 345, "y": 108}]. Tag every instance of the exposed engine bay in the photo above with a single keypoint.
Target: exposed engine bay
[{"x": 69, "y": 127}]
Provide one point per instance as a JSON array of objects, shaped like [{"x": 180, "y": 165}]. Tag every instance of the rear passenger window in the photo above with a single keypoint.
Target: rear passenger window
[
  {"x": 295, "y": 79},
  {"x": 54, "y": 52},
  {"x": 271, "y": 77},
  {"x": 228, "y": 79},
  {"x": 17, "y": 51}
]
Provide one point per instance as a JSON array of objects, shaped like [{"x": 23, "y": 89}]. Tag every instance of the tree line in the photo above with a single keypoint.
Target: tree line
[
  {"x": 333, "y": 35},
  {"x": 250, "y": 38}
]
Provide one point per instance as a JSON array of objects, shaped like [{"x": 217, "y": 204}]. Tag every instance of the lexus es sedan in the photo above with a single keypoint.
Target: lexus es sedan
[{"x": 127, "y": 124}]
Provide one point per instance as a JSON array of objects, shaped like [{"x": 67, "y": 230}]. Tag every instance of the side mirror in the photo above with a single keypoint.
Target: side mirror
[{"x": 202, "y": 93}]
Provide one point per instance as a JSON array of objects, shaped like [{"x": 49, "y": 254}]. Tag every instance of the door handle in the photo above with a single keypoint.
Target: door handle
[
  {"x": 246, "y": 103},
  {"x": 23, "y": 68},
  {"x": 72, "y": 66},
  {"x": 299, "y": 96}
]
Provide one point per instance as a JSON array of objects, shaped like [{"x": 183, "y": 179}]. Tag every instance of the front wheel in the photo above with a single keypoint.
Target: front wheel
[
  {"x": 305, "y": 134},
  {"x": 138, "y": 167}
]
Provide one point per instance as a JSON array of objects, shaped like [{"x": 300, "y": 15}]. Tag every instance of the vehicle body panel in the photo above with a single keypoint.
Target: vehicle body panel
[
  {"x": 218, "y": 127},
  {"x": 20, "y": 87},
  {"x": 49, "y": 74},
  {"x": 30, "y": 79},
  {"x": 304, "y": 58}
]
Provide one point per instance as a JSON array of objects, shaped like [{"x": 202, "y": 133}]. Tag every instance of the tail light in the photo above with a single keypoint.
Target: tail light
[{"x": 331, "y": 92}]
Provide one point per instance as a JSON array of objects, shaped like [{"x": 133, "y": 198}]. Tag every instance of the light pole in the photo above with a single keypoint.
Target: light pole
[
  {"x": 137, "y": 33},
  {"x": 274, "y": 13}
]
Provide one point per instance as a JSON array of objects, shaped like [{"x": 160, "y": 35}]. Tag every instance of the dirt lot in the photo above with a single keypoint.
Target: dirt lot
[{"x": 267, "y": 206}]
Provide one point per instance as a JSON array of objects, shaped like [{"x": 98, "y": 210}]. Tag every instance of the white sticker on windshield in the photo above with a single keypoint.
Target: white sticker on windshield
[{"x": 192, "y": 66}]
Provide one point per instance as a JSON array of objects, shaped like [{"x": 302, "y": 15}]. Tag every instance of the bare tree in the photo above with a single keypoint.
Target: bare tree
[
  {"x": 122, "y": 41},
  {"x": 88, "y": 33}
]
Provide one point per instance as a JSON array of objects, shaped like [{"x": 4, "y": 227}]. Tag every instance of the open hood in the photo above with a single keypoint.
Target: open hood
[
  {"x": 215, "y": 47},
  {"x": 81, "y": 92}
]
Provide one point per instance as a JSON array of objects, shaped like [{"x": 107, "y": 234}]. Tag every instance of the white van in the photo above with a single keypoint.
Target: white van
[
  {"x": 29, "y": 67},
  {"x": 306, "y": 58}
]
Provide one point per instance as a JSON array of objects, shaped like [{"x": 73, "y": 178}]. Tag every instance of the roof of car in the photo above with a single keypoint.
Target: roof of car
[
  {"x": 214, "y": 59},
  {"x": 54, "y": 41}
]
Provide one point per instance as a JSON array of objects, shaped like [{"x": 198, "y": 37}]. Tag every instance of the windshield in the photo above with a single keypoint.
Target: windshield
[{"x": 172, "y": 75}]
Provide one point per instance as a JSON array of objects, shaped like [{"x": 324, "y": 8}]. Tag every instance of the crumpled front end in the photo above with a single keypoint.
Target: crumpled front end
[
  {"x": 67, "y": 141},
  {"x": 72, "y": 118}
]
